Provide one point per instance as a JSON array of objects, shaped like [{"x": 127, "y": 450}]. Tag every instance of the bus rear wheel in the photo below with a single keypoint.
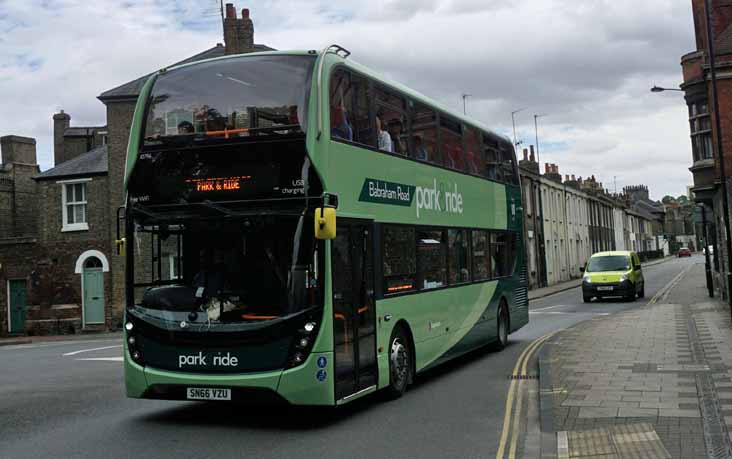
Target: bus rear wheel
[
  {"x": 502, "y": 327},
  {"x": 400, "y": 363}
]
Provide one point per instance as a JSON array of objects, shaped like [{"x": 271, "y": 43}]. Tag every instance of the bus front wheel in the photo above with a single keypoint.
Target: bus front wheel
[{"x": 400, "y": 363}]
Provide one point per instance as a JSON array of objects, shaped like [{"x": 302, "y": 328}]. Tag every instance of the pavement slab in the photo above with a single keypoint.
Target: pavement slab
[{"x": 661, "y": 371}]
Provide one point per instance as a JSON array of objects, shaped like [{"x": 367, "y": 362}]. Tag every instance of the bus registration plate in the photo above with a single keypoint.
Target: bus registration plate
[{"x": 208, "y": 393}]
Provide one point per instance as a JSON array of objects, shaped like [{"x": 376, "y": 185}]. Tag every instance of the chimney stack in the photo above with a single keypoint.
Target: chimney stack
[
  {"x": 18, "y": 150},
  {"x": 61, "y": 122},
  {"x": 526, "y": 154},
  {"x": 547, "y": 168},
  {"x": 238, "y": 32}
]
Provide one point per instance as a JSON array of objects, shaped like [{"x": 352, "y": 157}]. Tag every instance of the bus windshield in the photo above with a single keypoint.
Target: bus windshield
[
  {"x": 226, "y": 270},
  {"x": 609, "y": 263},
  {"x": 238, "y": 97}
]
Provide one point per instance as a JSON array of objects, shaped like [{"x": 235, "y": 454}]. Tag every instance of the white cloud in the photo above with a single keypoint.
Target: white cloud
[{"x": 588, "y": 64}]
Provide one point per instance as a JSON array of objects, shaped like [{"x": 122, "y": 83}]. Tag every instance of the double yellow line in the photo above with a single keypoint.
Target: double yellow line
[{"x": 515, "y": 391}]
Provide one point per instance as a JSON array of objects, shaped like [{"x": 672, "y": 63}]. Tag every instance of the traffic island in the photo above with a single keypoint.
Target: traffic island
[{"x": 653, "y": 382}]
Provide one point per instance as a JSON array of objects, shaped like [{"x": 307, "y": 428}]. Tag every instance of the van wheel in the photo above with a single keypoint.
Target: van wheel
[
  {"x": 586, "y": 299},
  {"x": 503, "y": 325},
  {"x": 400, "y": 364}
]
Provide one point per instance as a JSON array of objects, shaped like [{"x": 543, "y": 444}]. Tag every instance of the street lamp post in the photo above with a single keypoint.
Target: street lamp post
[
  {"x": 465, "y": 107},
  {"x": 536, "y": 133},
  {"x": 542, "y": 245},
  {"x": 513, "y": 121},
  {"x": 720, "y": 150}
]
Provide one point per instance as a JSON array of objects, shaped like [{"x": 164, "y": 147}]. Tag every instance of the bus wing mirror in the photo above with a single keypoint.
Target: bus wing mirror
[
  {"x": 325, "y": 223},
  {"x": 120, "y": 243}
]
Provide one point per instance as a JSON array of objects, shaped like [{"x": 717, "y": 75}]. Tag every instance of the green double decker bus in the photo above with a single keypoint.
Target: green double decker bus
[{"x": 300, "y": 229}]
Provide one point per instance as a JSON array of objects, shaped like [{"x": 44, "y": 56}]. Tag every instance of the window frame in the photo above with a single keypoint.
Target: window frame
[
  {"x": 409, "y": 102},
  {"x": 701, "y": 139},
  {"x": 76, "y": 226}
]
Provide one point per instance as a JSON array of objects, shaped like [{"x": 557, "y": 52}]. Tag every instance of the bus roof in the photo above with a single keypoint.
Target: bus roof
[{"x": 350, "y": 63}]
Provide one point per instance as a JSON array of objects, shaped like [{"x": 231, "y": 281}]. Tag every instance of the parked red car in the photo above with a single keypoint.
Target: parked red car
[{"x": 684, "y": 252}]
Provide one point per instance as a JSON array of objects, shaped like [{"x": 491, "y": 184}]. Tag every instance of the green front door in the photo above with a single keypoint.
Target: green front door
[
  {"x": 18, "y": 305},
  {"x": 93, "y": 296}
]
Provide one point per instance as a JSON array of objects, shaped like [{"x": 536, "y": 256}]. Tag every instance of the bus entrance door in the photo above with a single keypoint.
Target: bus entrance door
[{"x": 353, "y": 308}]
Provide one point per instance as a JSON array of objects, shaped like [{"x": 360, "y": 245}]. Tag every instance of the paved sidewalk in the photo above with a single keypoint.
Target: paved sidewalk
[
  {"x": 651, "y": 382},
  {"x": 537, "y": 293},
  {"x": 43, "y": 339}
]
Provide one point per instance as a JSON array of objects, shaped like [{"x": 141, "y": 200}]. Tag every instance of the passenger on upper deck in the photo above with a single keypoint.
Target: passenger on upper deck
[
  {"x": 396, "y": 128},
  {"x": 383, "y": 137},
  {"x": 340, "y": 127},
  {"x": 419, "y": 151}
]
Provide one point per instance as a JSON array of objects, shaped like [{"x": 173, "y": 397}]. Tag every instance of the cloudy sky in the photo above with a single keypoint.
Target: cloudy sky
[{"x": 587, "y": 64}]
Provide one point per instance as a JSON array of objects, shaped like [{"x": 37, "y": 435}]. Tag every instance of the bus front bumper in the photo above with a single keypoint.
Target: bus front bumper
[{"x": 308, "y": 384}]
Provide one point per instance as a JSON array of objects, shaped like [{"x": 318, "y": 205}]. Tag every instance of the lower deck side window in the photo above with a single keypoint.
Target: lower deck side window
[{"x": 427, "y": 258}]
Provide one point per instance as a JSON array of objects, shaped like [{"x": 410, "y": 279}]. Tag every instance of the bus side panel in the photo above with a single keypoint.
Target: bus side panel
[{"x": 438, "y": 320}]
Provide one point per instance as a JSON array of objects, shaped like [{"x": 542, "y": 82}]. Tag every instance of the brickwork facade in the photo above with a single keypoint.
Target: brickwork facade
[{"x": 39, "y": 253}]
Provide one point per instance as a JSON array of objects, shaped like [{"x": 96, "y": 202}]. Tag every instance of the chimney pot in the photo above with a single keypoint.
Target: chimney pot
[
  {"x": 531, "y": 147},
  {"x": 547, "y": 169},
  {"x": 566, "y": 177},
  {"x": 526, "y": 154},
  {"x": 245, "y": 13},
  {"x": 573, "y": 177},
  {"x": 230, "y": 11}
]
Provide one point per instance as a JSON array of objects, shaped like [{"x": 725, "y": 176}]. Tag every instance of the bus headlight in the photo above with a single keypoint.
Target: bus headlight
[
  {"x": 129, "y": 326},
  {"x": 302, "y": 342}
]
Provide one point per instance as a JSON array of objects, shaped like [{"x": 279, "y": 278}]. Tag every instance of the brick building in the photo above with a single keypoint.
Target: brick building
[
  {"x": 697, "y": 89},
  {"x": 59, "y": 272}
]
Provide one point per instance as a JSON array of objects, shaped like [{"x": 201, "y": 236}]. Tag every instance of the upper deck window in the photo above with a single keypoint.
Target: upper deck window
[
  {"x": 239, "y": 97},
  {"x": 370, "y": 113},
  {"x": 350, "y": 118},
  {"x": 391, "y": 121},
  {"x": 424, "y": 134},
  {"x": 451, "y": 143}
]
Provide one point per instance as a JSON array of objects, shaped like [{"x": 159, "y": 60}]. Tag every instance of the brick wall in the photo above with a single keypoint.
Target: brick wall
[
  {"x": 119, "y": 118},
  {"x": 75, "y": 146}
]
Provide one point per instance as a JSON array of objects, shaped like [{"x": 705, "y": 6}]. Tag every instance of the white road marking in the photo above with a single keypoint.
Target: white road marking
[
  {"x": 572, "y": 312},
  {"x": 106, "y": 359},
  {"x": 91, "y": 350},
  {"x": 55, "y": 344},
  {"x": 550, "y": 307}
]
